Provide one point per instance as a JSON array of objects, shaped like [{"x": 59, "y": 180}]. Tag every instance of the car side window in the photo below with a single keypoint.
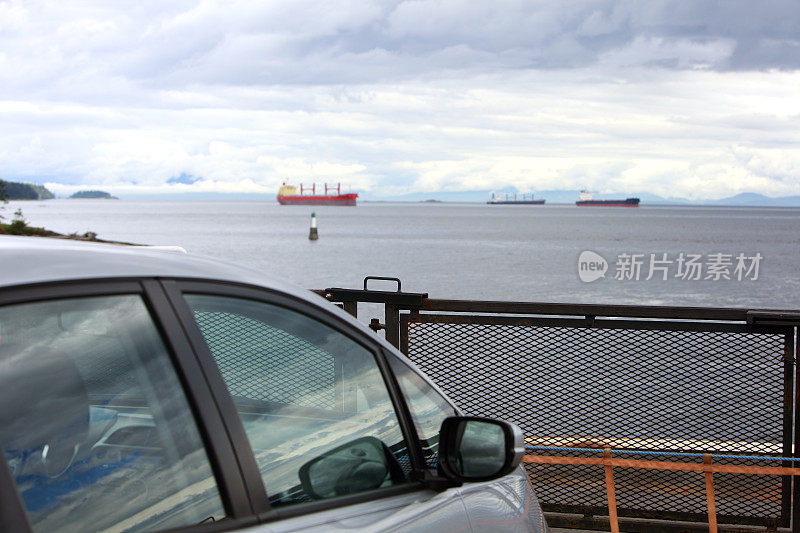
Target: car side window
[
  {"x": 312, "y": 401},
  {"x": 93, "y": 421},
  {"x": 428, "y": 408}
]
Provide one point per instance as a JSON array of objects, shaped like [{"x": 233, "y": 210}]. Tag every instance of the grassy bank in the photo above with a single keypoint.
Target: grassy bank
[{"x": 19, "y": 226}]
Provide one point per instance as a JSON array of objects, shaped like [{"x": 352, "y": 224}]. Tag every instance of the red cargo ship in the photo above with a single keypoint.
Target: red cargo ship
[{"x": 287, "y": 195}]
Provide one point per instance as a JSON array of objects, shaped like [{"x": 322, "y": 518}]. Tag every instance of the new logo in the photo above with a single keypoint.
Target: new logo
[{"x": 591, "y": 266}]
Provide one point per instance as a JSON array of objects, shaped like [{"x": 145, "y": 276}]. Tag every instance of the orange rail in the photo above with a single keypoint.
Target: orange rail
[{"x": 707, "y": 467}]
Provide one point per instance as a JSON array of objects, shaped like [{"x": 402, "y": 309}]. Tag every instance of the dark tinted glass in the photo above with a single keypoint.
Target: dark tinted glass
[
  {"x": 308, "y": 396},
  {"x": 428, "y": 408},
  {"x": 93, "y": 421}
]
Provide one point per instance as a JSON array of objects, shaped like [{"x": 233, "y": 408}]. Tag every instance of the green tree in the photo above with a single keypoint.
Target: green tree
[{"x": 19, "y": 223}]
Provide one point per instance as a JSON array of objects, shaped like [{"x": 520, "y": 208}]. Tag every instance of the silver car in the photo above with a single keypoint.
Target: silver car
[{"x": 148, "y": 390}]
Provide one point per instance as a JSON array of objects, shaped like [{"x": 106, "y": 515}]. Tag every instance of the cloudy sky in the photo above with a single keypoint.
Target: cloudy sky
[{"x": 693, "y": 98}]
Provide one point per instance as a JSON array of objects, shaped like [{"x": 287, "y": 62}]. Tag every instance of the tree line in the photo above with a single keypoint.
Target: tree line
[{"x": 13, "y": 190}]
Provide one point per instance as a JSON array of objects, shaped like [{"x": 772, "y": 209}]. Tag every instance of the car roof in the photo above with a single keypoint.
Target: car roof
[
  {"x": 31, "y": 260},
  {"x": 28, "y": 260}
]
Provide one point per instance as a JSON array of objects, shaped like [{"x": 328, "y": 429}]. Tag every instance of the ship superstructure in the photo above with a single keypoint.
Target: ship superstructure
[{"x": 509, "y": 199}]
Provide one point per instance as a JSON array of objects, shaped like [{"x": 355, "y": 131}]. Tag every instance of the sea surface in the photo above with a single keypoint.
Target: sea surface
[
  {"x": 589, "y": 392},
  {"x": 472, "y": 251}
]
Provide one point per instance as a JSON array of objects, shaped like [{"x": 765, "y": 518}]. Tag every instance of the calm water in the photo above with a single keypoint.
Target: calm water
[{"x": 464, "y": 250}]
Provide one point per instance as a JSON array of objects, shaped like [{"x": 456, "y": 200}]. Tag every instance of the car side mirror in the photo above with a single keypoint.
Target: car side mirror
[
  {"x": 360, "y": 465},
  {"x": 479, "y": 449}
]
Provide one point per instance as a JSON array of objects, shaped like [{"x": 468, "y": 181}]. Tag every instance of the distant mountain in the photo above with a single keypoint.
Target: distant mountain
[
  {"x": 201, "y": 197},
  {"x": 31, "y": 191},
  {"x": 755, "y": 199},
  {"x": 442, "y": 196},
  {"x": 14, "y": 190},
  {"x": 551, "y": 196},
  {"x": 569, "y": 197},
  {"x": 93, "y": 194},
  {"x": 184, "y": 178}
]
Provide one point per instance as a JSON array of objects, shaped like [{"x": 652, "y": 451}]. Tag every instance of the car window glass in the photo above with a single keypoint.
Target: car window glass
[
  {"x": 93, "y": 422},
  {"x": 308, "y": 396},
  {"x": 428, "y": 408}
]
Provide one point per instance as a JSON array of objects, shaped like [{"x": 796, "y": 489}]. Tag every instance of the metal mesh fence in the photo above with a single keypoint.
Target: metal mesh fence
[
  {"x": 260, "y": 362},
  {"x": 656, "y": 387}
]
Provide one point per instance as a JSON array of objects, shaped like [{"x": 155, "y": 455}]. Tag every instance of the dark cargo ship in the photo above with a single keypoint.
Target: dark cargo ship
[
  {"x": 287, "y": 195},
  {"x": 585, "y": 199},
  {"x": 527, "y": 199}
]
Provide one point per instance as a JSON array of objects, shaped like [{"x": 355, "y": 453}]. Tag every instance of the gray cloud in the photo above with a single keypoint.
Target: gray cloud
[
  {"x": 367, "y": 42},
  {"x": 682, "y": 97}
]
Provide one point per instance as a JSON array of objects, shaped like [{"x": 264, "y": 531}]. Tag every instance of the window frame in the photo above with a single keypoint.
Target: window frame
[
  {"x": 177, "y": 287},
  {"x": 222, "y": 459},
  {"x": 457, "y": 412},
  {"x": 238, "y": 479}
]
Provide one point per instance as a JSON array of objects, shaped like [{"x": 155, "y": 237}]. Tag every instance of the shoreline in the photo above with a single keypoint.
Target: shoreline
[{"x": 32, "y": 231}]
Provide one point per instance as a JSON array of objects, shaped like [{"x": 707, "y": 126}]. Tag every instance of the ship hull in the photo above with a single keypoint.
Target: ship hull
[
  {"x": 517, "y": 202},
  {"x": 629, "y": 202},
  {"x": 342, "y": 199}
]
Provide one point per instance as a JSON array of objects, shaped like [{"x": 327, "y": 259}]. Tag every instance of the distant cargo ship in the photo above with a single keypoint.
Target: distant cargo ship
[
  {"x": 585, "y": 199},
  {"x": 287, "y": 195},
  {"x": 527, "y": 199}
]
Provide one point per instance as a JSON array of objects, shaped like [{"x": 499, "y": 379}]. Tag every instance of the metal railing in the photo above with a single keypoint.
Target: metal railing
[
  {"x": 677, "y": 383},
  {"x": 708, "y": 468}
]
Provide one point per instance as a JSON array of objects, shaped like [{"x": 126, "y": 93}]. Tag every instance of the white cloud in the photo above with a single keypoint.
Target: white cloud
[{"x": 677, "y": 98}]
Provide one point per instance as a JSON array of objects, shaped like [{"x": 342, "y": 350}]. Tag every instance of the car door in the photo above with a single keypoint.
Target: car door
[
  {"x": 505, "y": 504},
  {"x": 104, "y": 424},
  {"x": 308, "y": 395}
]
